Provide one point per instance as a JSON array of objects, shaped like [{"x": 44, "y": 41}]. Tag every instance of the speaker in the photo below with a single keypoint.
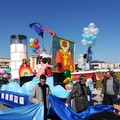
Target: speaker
[{"x": 58, "y": 78}]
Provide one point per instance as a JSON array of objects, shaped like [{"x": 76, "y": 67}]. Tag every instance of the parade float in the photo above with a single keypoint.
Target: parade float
[{"x": 16, "y": 95}]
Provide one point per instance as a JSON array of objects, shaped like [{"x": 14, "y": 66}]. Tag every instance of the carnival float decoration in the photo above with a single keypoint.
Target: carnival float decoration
[
  {"x": 89, "y": 37},
  {"x": 68, "y": 80},
  {"x": 34, "y": 45}
]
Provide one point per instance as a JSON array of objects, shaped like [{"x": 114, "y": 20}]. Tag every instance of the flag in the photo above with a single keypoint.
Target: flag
[
  {"x": 50, "y": 32},
  {"x": 37, "y": 27}
]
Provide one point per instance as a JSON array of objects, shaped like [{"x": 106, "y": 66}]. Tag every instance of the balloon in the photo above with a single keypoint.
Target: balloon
[
  {"x": 87, "y": 37},
  {"x": 83, "y": 36},
  {"x": 33, "y": 50},
  {"x": 2, "y": 72},
  {"x": 69, "y": 86},
  {"x": 83, "y": 42},
  {"x": 89, "y": 43},
  {"x": 89, "y": 58},
  {"x": 36, "y": 47},
  {"x": 67, "y": 80},
  {"x": 92, "y": 32},
  {"x": 93, "y": 38},
  {"x": 67, "y": 73},
  {"x": 85, "y": 30},
  {"x": 31, "y": 40},
  {"x": 96, "y": 31},
  {"x": 37, "y": 51},
  {"x": 36, "y": 41},
  {"x": 31, "y": 45},
  {"x": 83, "y": 67},
  {"x": 8, "y": 70},
  {"x": 91, "y": 25},
  {"x": 5, "y": 76}
]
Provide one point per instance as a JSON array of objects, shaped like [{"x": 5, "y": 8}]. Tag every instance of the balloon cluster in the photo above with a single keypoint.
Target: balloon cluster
[
  {"x": 34, "y": 45},
  {"x": 5, "y": 73},
  {"x": 89, "y": 35},
  {"x": 68, "y": 80}
]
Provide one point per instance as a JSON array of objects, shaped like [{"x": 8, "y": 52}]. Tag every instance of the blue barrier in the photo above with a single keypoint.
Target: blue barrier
[{"x": 14, "y": 99}]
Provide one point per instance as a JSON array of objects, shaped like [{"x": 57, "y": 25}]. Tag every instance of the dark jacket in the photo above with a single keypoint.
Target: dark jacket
[
  {"x": 116, "y": 86},
  {"x": 80, "y": 101}
]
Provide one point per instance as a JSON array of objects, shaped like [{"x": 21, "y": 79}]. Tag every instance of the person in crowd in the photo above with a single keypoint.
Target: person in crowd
[
  {"x": 89, "y": 83},
  {"x": 64, "y": 58},
  {"x": 94, "y": 80},
  {"x": 44, "y": 66},
  {"x": 39, "y": 94},
  {"x": 105, "y": 115},
  {"x": 24, "y": 62},
  {"x": 116, "y": 106},
  {"x": 79, "y": 94},
  {"x": 110, "y": 89}
]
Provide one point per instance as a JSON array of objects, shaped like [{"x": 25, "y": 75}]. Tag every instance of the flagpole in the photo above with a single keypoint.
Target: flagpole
[{"x": 51, "y": 46}]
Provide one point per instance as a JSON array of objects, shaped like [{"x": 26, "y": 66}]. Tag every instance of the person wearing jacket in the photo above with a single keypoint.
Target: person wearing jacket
[
  {"x": 110, "y": 89},
  {"x": 79, "y": 94},
  {"x": 39, "y": 94}
]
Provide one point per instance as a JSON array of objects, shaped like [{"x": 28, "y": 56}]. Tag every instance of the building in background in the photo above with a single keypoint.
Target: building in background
[
  {"x": 34, "y": 63},
  {"x": 4, "y": 63}
]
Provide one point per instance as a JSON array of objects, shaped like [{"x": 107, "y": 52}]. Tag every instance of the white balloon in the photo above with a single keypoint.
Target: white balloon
[
  {"x": 86, "y": 30},
  {"x": 96, "y": 31},
  {"x": 81, "y": 56},
  {"x": 31, "y": 40},
  {"x": 91, "y": 31},
  {"x": 91, "y": 25},
  {"x": 83, "y": 42}
]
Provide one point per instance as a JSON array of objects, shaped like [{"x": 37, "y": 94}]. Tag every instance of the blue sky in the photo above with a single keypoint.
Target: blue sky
[{"x": 67, "y": 18}]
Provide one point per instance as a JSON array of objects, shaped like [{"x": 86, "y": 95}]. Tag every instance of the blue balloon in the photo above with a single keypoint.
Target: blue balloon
[
  {"x": 33, "y": 50},
  {"x": 8, "y": 70},
  {"x": 93, "y": 38},
  {"x": 83, "y": 67},
  {"x": 88, "y": 37},
  {"x": 83, "y": 36},
  {"x": 89, "y": 43},
  {"x": 89, "y": 58}
]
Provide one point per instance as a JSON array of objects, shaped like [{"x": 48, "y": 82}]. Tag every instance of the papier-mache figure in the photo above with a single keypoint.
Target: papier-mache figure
[
  {"x": 44, "y": 67},
  {"x": 25, "y": 69}
]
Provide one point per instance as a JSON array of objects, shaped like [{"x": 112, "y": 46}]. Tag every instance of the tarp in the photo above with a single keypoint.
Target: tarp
[
  {"x": 68, "y": 114},
  {"x": 30, "y": 112}
]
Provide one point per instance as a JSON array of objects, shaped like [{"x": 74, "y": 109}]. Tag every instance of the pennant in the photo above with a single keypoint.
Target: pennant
[{"x": 50, "y": 32}]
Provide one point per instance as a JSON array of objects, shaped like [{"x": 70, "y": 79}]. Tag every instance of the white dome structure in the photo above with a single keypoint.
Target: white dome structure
[{"x": 18, "y": 51}]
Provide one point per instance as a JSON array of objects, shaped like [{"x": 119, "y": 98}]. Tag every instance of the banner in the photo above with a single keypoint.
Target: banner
[
  {"x": 68, "y": 114},
  {"x": 63, "y": 52}
]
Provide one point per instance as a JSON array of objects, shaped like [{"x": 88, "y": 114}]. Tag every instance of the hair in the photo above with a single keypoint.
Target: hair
[
  {"x": 43, "y": 77},
  {"x": 105, "y": 115},
  {"x": 44, "y": 60},
  {"x": 85, "y": 56},
  {"x": 82, "y": 77},
  {"x": 24, "y": 60}
]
